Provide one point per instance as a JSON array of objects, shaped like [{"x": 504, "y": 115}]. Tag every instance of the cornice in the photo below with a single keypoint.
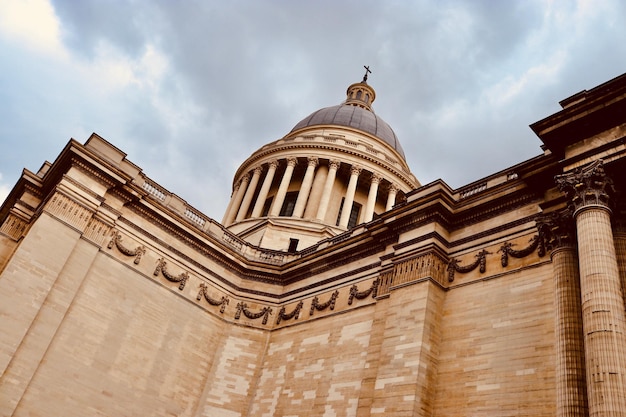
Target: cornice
[{"x": 89, "y": 168}]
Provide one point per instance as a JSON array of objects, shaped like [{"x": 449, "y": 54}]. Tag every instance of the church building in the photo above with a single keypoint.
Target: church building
[{"x": 335, "y": 285}]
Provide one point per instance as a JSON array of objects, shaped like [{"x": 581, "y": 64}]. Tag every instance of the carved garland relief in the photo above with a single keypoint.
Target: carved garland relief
[
  {"x": 537, "y": 242},
  {"x": 162, "y": 268},
  {"x": 117, "y": 241}
]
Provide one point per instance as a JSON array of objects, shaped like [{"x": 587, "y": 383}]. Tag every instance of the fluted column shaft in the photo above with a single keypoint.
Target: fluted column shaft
[
  {"x": 349, "y": 198},
  {"x": 603, "y": 313},
  {"x": 283, "y": 187},
  {"x": 371, "y": 197},
  {"x": 247, "y": 198},
  {"x": 571, "y": 388},
  {"x": 391, "y": 197},
  {"x": 265, "y": 188},
  {"x": 305, "y": 187},
  {"x": 236, "y": 203},
  {"x": 570, "y": 351},
  {"x": 620, "y": 249},
  {"x": 315, "y": 195},
  {"x": 601, "y": 294},
  {"x": 328, "y": 188}
]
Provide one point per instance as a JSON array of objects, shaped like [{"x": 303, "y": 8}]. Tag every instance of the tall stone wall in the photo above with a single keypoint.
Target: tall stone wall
[
  {"x": 497, "y": 348},
  {"x": 96, "y": 331},
  {"x": 317, "y": 368},
  {"x": 122, "y": 345}
]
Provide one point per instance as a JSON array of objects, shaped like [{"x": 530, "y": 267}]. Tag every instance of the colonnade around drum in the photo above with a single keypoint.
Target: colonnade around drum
[{"x": 261, "y": 193}]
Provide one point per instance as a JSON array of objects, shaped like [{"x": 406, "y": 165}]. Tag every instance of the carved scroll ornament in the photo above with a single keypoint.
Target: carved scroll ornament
[
  {"x": 287, "y": 316},
  {"x": 316, "y": 305},
  {"x": 243, "y": 308},
  {"x": 117, "y": 241},
  {"x": 359, "y": 295},
  {"x": 223, "y": 302}
]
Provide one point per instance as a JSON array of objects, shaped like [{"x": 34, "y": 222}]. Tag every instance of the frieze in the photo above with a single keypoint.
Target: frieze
[
  {"x": 222, "y": 302},
  {"x": 330, "y": 303},
  {"x": 386, "y": 281},
  {"x": 13, "y": 227},
  {"x": 68, "y": 210},
  {"x": 162, "y": 268},
  {"x": 429, "y": 264},
  {"x": 242, "y": 307},
  {"x": 116, "y": 241},
  {"x": 97, "y": 230},
  {"x": 295, "y": 314},
  {"x": 360, "y": 295}
]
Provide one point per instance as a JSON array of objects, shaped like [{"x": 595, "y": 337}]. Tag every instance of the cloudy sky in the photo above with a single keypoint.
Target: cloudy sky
[{"x": 189, "y": 89}]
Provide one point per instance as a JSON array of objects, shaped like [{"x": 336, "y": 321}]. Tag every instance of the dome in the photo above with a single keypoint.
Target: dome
[{"x": 354, "y": 117}]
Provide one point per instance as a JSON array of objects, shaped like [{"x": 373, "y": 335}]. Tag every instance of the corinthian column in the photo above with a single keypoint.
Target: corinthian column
[
  {"x": 265, "y": 188},
  {"x": 571, "y": 390},
  {"x": 604, "y": 330},
  {"x": 247, "y": 198},
  {"x": 283, "y": 187},
  {"x": 371, "y": 197},
  {"x": 391, "y": 197},
  {"x": 328, "y": 188},
  {"x": 349, "y": 198},
  {"x": 305, "y": 188}
]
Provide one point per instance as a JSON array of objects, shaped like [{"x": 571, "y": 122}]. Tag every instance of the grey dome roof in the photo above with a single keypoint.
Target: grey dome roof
[{"x": 354, "y": 117}]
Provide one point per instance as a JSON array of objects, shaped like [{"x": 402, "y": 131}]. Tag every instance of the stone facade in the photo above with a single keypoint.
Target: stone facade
[{"x": 501, "y": 298}]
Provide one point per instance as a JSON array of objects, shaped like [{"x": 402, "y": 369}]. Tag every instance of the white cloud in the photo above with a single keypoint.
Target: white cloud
[
  {"x": 189, "y": 90},
  {"x": 4, "y": 190},
  {"x": 33, "y": 23}
]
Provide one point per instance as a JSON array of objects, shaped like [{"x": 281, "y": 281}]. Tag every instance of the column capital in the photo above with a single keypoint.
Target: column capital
[
  {"x": 392, "y": 188},
  {"x": 587, "y": 186},
  {"x": 355, "y": 170},
  {"x": 376, "y": 177},
  {"x": 258, "y": 170},
  {"x": 273, "y": 163},
  {"x": 334, "y": 164},
  {"x": 245, "y": 178},
  {"x": 557, "y": 229},
  {"x": 312, "y": 161},
  {"x": 292, "y": 161}
]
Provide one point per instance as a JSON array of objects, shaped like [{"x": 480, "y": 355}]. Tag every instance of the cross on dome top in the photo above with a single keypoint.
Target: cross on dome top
[{"x": 367, "y": 70}]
